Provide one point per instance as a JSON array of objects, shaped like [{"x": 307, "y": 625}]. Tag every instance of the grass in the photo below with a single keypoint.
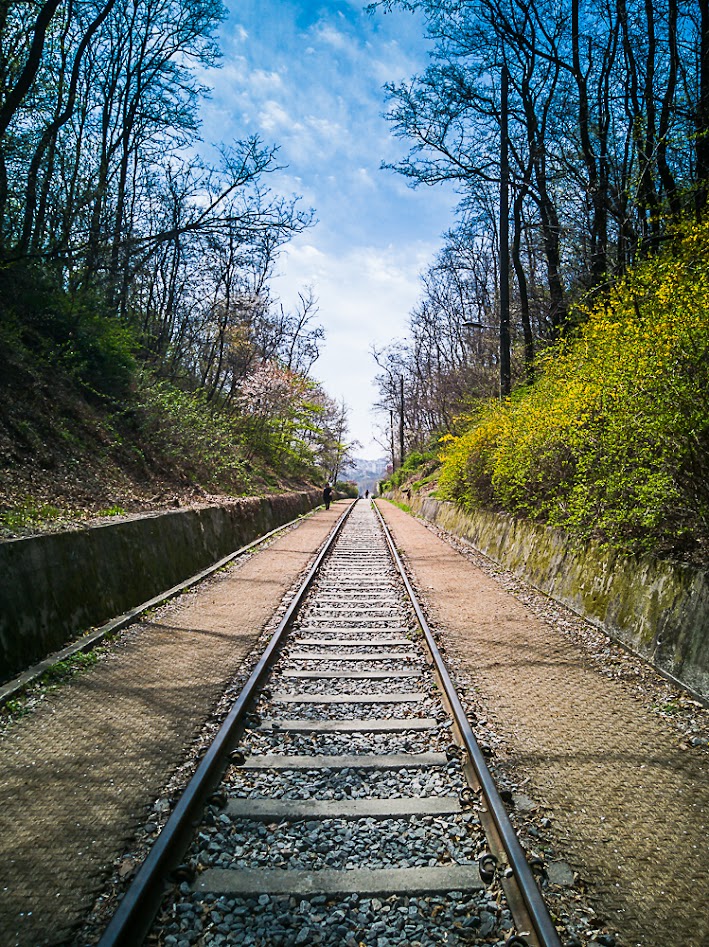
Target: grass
[
  {"x": 670, "y": 707},
  {"x": 115, "y": 510},
  {"x": 25, "y": 701},
  {"x": 29, "y": 514},
  {"x": 63, "y": 671},
  {"x": 402, "y": 506}
]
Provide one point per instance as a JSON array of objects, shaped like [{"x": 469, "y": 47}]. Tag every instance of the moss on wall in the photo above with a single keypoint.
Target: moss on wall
[{"x": 658, "y": 609}]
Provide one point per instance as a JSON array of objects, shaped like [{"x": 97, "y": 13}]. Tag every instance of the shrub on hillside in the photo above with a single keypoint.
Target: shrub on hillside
[
  {"x": 71, "y": 333},
  {"x": 217, "y": 448},
  {"x": 417, "y": 462},
  {"x": 612, "y": 441},
  {"x": 182, "y": 431},
  {"x": 346, "y": 489}
]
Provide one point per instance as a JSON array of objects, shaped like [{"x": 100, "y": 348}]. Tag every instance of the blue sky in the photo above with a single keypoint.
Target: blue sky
[{"x": 308, "y": 77}]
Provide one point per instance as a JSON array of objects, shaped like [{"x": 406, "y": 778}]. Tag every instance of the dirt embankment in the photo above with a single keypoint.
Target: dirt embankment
[{"x": 67, "y": 460}]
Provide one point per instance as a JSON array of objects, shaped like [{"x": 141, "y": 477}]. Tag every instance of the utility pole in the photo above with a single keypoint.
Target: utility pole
[
  {"x": 391, "y": 438},
  {"x": 505, "y": 369},
  {"x": 401, "y": 419}
]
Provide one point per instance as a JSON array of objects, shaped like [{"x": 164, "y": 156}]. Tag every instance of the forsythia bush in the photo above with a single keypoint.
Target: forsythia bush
[{"x": 612, "y": 440}]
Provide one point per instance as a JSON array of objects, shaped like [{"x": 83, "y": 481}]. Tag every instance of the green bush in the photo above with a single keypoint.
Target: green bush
[
  {"x": 188, "y": 434},
  {"x": 412, "y": 464},
  {"x": 346, "y": 488},
  {"x": 71, "y": 332},
  {"x": 99, "y": 351}
]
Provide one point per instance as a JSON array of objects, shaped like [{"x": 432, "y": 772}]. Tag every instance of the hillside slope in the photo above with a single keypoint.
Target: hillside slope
[
  {"x": 69, "y": 454},
  {"x": 611, "y": 441}
]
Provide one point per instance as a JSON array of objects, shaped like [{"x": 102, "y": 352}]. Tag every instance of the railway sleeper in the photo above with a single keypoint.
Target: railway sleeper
[{"x": 348, "y": 823}]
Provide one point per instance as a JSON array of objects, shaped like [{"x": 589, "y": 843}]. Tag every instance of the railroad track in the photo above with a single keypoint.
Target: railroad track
[{"x": 344, "y": 801}]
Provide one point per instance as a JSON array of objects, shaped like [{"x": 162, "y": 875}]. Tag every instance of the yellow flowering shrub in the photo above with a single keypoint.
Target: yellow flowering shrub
[
  {"x": 612, "y": 440},
  {"x": 468, "y": 467}
]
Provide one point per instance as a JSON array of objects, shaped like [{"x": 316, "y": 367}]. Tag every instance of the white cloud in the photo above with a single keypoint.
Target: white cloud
[
  {"x": 274, "y": 118},
  {"x": 327, "y": 34},
  {"x": 363, "y": 178},
  {"x": 262, "y": 80},
  {"x": 390, "y": 64},
  {"x": 365, "y": 296},
  {"x": 310, "y": 82},
  {"x": 329, "y": 134},
  {"x": 232, "y": 73}
]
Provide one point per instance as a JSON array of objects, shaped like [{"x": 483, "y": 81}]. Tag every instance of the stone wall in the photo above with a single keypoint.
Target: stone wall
[
  {"x": 55, "y": 586},
  {"x": 658, "y": 609}
]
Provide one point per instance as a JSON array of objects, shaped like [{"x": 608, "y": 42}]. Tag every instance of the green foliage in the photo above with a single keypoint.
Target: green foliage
[
  {"x": 99, "y": 352},
  {"x": 412, "y": 465},
  {"x": 402, "y": 506},
  {"x": 345, "y": 488},
  {"x": 15, "y": 707},
  {"x": 114, "y": 510},
  {"x": 27, "y": 514},
  {"x": 63, "y": 671},
  {"x": 185, "y": 432},
  {"x": 73, "y": 400},
  {"x": 69, "y": 332},
  {"x": 60, "y": 673},
  {"x": 612, "y": 441}
]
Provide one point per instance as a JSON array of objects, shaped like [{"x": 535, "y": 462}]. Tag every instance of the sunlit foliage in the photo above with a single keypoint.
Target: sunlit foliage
[{"x": 612, "y": 440}]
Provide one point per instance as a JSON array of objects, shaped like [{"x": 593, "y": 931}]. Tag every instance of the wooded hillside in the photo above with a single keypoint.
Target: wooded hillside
[
  {"x": 583, "y": 129},
  {"x": 607, "y": 131},
  {"x": 136, "y": 320},
  {"x": 611, "y": 441}
]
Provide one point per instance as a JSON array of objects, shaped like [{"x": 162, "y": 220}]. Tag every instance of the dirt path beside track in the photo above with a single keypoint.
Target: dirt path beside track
[
  {"x": 629, "y": 805},
  {"x": 78, "y": 774}
]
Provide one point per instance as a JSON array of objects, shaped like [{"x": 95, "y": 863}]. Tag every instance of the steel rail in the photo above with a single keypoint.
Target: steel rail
[
  {"x": 534, "y": 902},
  {"x": 134, "y": 916}
]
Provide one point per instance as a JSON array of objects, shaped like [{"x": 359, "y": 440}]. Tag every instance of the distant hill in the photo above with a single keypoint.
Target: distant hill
[{"x": 367, "y": 473}]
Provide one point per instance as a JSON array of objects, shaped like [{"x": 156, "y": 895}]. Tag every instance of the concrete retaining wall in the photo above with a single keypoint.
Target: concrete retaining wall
[
  {"x": 658, "y": 609},
  {"x": 55, "y": 586}
]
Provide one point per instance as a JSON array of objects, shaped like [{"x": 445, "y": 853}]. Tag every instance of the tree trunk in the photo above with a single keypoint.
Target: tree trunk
[
  {"x": 522, "y": 288},
  {"x": 702, "y": 113}
]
